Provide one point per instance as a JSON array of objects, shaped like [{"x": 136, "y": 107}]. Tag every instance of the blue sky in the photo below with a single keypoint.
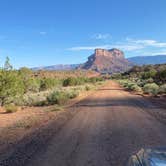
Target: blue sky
[{"x": 48, "y": 32}]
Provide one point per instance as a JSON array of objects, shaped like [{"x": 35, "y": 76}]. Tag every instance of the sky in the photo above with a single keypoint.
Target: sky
[{"x": 48, "y": 32}]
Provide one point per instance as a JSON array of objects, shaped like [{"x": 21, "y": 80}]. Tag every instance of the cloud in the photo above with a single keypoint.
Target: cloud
[
  {"x": 139, "y": 46},
  {"x": 162, "y": 52},
  {"x": 80, "y": 48},
  {"x": 145, "y": 43},
  {"x": 123, "y": 47},
  {"x": 43, "y": 33},
  {"x": 100, "y": 36}
]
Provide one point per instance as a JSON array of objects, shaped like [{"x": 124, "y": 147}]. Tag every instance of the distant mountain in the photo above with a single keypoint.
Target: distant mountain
[
  {"x": 57, "y": 67},
  {"x": 107, "y": 61},
  {"x": 146, "y": 60}
]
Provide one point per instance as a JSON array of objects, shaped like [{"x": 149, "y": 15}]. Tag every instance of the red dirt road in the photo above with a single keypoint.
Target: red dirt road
[{"x": 108, "y": 127}]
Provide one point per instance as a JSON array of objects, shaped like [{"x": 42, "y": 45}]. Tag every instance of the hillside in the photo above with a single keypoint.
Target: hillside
[
  {"x": 57, "y": 67},
  {"x": 146, "y": 60},
  {"x": 107, "y": 61}
]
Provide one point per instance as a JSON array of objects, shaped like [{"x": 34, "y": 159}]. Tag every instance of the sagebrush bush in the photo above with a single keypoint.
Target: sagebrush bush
[
  {"x": 58, "y": 97},
  {"x": 49, "y": 83},
  {"x": 151, "y": 88},
  {"x": 72, "y": 94},
  {"x": 88, "y": 87},
  {"x": 132, "y": 86},
  {"x": 136, "y": 88},
  {"x": 72, "y": 81},
  {"x": 162, "y": 89},
  {"x": 32, "y": 85},
  {"x": 11, "y": 108},
  {"x": 34, "y": 99}
]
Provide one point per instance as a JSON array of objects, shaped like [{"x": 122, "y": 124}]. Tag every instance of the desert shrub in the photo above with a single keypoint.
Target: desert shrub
[
  {"x": 11, "y": 86},
  {"x": 88, "y": 87},
  {"x": 32, "y": 85},
  {"x": 49, "y": 83},
  {"x": 72, "y": 81},
  {"x": 150, "y": 73},
  {"x": 140, "y": 83},
  {"x": 11, "y": 108},
  {"x": 130, "y": 85},
  {"x": 116, "y": 76},
  {"x": 162, "y": 89},
  {"x": 151, "y": 88},
  {"x": 136, "y": 88},
  {"x": 34, "y": 99},
  {"x": 95, "y": 79},
  {"x": 161, "y": 75},
  {"x": 58, "y": 97},
  {"x": 72, "y": 94},
  {"x": 149, "y": 80}
]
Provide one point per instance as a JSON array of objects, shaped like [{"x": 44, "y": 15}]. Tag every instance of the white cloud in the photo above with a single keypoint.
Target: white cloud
[
  {"x": 79, "y": 48},
  {"x": 155, "y": 53},
  {"x": 100, "y": 36},
  {"x": 123, "y": 47},
  {"x": 43, "y": 33},
  {"x": 133, "y": 46},
  {"x": 147, "y": 42}
]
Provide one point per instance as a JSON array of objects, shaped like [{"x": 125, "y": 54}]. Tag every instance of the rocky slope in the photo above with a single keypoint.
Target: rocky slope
[{"x": 107, "y": 61}]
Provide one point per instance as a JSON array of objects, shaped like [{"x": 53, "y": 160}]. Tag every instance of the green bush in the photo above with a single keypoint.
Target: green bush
[
  {"x": 95, "y": 79},
  {"x": 130, "y": 85},
  {"x": 140, "y": 83},
  {"x": 151, "y": 88},
  {"x": 49, "y": 83},
  {"x": 162, "y": 89},
  {"x": 88, "y": 87},
  {"x": 72, "y": 94},
  {"x": 58, "y": 97},
  {"x": 32, "y": 85},
  {"x": 11, "y": 108},
  {"x": 11, "y": 86},
  {"x": 136, "y": 88},
  {"x": 72, "y": 81}
]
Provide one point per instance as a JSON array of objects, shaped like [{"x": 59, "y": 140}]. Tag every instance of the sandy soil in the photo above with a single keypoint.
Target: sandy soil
[{"x": 104, "y": 130}]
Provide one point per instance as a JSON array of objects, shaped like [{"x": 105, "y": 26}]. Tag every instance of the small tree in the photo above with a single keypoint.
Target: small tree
[
  {"x": 10, "y": 84},
  {"x": 7, "y": 65}
]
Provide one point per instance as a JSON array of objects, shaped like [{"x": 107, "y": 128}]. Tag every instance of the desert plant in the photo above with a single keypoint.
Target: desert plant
[
  {"x": 72, "y": 94},
  {"x": 11, "y": 86},
  {"x": 58, "y": 97},
  {"x": 49, "y": 83},
  {"x": 11, "y": 108},
  {"x": 88, "y": 87},
  {"x": 162, "y": 89},
  {"x": 151, "y": 88},
  {"x": 136, "y": 88},
  {"x": 72, "y": 81}
]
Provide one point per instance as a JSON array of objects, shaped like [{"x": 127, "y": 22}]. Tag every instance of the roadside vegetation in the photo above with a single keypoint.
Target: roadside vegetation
[
  {"x": 148, "y": 79},
  {"x": 25, "y": 87}
]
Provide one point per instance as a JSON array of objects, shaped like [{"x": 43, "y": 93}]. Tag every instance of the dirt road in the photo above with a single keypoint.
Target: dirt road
[{"x": 109, "y": 126}]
